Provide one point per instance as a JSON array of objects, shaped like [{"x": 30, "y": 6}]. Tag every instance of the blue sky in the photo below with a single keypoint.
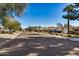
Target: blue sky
[{"x": 44, "y": 14}]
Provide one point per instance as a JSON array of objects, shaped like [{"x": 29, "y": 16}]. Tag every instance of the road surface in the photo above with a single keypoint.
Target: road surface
[{"x": 37, "y": 44}]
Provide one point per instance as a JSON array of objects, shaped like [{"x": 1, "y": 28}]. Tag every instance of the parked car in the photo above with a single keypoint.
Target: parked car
[{"x": 55, "y": 31}]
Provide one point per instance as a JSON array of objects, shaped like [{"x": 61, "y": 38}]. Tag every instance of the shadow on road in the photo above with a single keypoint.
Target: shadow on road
[{"x": 40, "y": 46}]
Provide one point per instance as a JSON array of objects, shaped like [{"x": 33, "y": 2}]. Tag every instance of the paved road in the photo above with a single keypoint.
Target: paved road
[{"x": 38, "y": 44}]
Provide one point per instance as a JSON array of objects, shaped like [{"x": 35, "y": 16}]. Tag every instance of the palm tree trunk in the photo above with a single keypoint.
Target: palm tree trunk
[{"x": 68, "y": 25}]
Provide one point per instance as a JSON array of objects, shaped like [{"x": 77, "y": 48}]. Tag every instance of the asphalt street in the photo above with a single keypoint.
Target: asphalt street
[{"x": 37, "y": 44}]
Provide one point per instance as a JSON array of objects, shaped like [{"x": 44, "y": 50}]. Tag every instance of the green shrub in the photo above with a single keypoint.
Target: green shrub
[
  {"x": 61, "y": 34},
  {"x": 3, "y": 32},
  {"x": 10, "y": 32},
  {"x": 56, "y": 33},
  {"x": 50, "y": 33},
  {"x": 67, "y": 35}
]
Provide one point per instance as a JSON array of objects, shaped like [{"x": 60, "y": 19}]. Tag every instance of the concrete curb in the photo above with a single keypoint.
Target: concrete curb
[{"x": 71, "y": 39}]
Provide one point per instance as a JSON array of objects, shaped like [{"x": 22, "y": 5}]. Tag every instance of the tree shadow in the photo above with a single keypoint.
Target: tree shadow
[{"x": 38, "y": 46}]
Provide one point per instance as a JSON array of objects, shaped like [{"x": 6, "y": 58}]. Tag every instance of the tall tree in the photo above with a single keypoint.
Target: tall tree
[
  {"x": 59, "y": 25},
  {"x": 11, "y": 9},
  {"x": 7, "y": 23},
  {"x": 11, "y": 24},
  {"x": 69, "y": 16},
  {"x": 16, "y": 25}
]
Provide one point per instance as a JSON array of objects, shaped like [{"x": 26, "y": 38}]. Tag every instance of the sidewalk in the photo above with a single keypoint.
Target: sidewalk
[
  {"x": 69, "y": 38},
  {"x": 11, "y": 36}
]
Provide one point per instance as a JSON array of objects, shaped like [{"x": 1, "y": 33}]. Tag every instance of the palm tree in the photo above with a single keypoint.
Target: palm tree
[
  {"x": 76, "y": 6},
  {"x": 68, "y": 9}
]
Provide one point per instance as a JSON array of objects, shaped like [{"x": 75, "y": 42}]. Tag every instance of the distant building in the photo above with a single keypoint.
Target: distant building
[
  {"x": 51, "y": 28},
  {"x": 71, "y": 29}
]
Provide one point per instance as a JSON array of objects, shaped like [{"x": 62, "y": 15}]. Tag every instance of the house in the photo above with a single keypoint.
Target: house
[
  {"x": 51, "y": 28},
  {"x": 72, "y": 29},
  {"x": 1, "y": 29}
]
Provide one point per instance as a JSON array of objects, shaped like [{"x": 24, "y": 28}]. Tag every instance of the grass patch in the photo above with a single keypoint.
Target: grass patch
[
  {"x": 71, "y": 35},
  {"x": 75, "y": 36},
  {"x": 67, "y": 35}
]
